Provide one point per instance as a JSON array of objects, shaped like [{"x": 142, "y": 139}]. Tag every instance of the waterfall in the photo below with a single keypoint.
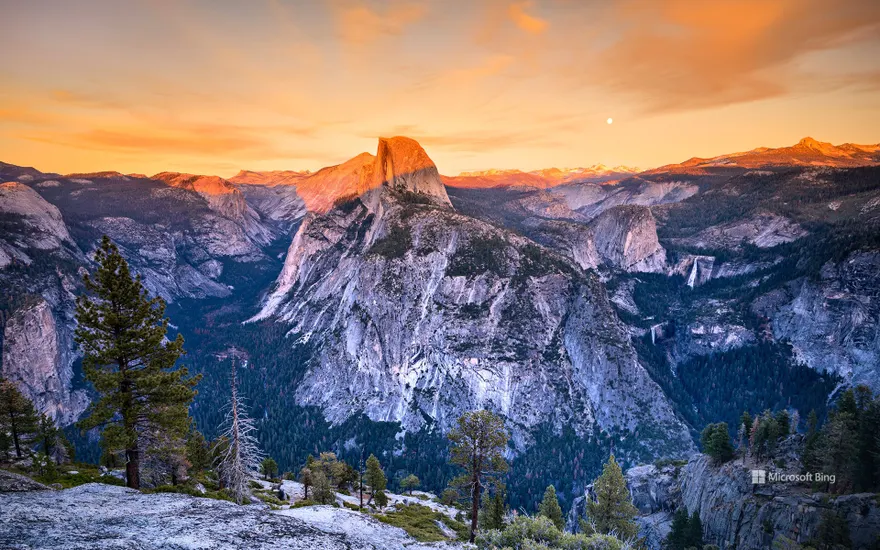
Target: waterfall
[{"x": 692, "y": 279}]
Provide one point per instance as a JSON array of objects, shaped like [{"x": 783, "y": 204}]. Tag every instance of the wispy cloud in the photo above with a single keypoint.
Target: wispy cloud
[
  {"x": 683, "y": 55},
  {"x": 358, "y": 23},
  {"x": 522, "y": 19}
]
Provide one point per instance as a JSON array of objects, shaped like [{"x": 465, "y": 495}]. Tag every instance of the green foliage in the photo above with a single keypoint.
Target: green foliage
[
  {"x": 686, "y": 532},
  {"x": 420, "y": 522},
  {"x": 198, "y": 453},
  {"x": 395, "y": 244},
  {"x": 269, "y": 468},
  {"x": 480, "y": 254},
  {"x": 549, "y": 508},
  {"x": 18, "y": 418},
  {"x": 85, "y": 473},
  {"x": 492, "y": 511},
  {"x": 612, "y": 510},
  {"x": 409, "y": 483},
  {"x": 539, "y": 533},
  {"x": 121, "y": 331},
  {"x": 478, "y": 444},
  {"x": 715, "y": 441},
  {"x": 848, "y": 443},
  {"x": 322, "y": 490},
  {"x": 381, "y": 499},
  {"x": 375, "y": 477},
  {"x": 833, "y": 532}
]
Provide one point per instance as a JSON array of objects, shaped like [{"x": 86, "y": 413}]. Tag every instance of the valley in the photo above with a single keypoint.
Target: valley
[{"x": 377, "y": 300}]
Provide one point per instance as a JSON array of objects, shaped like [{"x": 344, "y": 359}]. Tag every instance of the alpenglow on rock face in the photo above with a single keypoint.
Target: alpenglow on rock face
[{"x": 422, "y": 313}]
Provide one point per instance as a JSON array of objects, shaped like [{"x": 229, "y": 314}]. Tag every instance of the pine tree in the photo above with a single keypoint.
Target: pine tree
[
  {"x": 121, "y": 332},
  {"x": 746, "y": 420},
  {"x": 695, "y": 531},
  {"x": 810, "y": 454},
  {"x": 375, "y": 477},
  {"x": 307, "y": 480},
  {"x": 478, "y": 444},
  {"x": 322, "y": 490},
  {"x": 198, "y": 452},
  {"x": 612, "y": 510},
  {"x": 409, "y": 483},
  {"x": 18, "y": 417},
  {"x": 492, "y": 511},
  {"x": 550, "y": 509},
  {"x": 269, "y": 468},
  {"x": 240, "y": 462},
  {"x": 784, "y": 421},
  {"x": 715, "y": 441},
  {"x": 677, "y": 538}
]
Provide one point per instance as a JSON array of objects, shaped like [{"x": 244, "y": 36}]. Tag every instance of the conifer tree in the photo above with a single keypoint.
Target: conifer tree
[
  {"x": 612, "y": 510},
  {"x": 550, "y": 509},
  {"x": 198, "y": 452},
  {"x": 240, "y": 462},
  {"x": 52, "y": 441},
  {"x": 121, "y": 332},
  {"x": 715, "y": 441},
  {"x": 492, "y": 510},
  {"x": 677, "y": 538},
  {"x": 478, "y": 444},
  {"x": 307, "y": 480},
  {"x": 409, "y": 483},
  {"x": 18, "y": 418},
  {"x": 695, "y": 531},
  {"x": 269, "y": 468},
  {"x": 375, "y": 477}
]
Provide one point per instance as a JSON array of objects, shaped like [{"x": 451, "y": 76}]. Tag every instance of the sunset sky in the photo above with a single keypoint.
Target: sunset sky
[{"x": 216, "y": 86}]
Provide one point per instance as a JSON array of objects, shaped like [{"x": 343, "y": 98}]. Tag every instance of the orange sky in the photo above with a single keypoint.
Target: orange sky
[{"x": 215, "y": 86}]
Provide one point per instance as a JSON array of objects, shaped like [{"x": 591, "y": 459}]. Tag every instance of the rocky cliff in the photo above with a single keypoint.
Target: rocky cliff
[
  {"x": 421, "y": 313},
  {"x": 626, "y": 238},
  {"x": 833, "y": 321},
  {"x": 37, "y": 357}
]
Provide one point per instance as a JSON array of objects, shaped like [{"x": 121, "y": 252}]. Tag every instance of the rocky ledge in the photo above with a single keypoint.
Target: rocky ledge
[{"x": 96, "y": 516}]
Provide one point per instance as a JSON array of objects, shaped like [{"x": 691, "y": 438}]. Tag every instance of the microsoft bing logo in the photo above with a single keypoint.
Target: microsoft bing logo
[{"x": 759, "y": 477}]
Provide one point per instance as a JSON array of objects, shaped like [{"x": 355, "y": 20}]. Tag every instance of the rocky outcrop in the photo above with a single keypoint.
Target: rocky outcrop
[
  {"x": 10, "y": 482},
  {"x": 225, "y": 199},
  {"x": 764, "y": 230},
  {"x": 402, "y": 165},
  {"x": 38, "y": 357},
  {"x": 735, "y": 512},
  {"x": 421, "y": 313},
  {"x": 28, "y": 221},
  {"x": 833, "y": 322},
  {"x": 97, "y": 516},
  {"x": 738, "y": 514},
  {"x": 626, "y": 238}
]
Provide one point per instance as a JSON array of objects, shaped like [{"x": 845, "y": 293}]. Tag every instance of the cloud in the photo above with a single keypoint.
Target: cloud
[
  {"x": 197, "y": 140},
  {"x": 529, "y": 23},
  {"x": 359, "y": 24},
  {"x": 680, "y": 54}
]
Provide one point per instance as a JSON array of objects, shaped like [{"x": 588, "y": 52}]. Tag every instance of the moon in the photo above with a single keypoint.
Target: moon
[{"x": 610, "y": 120}]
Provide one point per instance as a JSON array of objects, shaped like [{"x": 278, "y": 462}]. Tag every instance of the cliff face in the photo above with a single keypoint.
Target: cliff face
[
  {"x": 38, "y": 357},
  {"x": 28, "y": 221},
  {"x": 833, "y": 322},
  {"x": 421, "y": 314},
  {"x": 737, "y": 514},
  {"x": 626, "y": 238}
]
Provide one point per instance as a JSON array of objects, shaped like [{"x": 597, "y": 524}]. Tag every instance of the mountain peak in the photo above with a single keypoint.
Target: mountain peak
[{"x": 402, "y": 164}]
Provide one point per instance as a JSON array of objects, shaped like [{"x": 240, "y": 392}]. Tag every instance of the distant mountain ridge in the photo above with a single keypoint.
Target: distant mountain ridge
[{"x": 806, "y": 152}]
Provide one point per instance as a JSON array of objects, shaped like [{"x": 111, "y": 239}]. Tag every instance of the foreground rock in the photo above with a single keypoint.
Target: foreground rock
[
  {"x": 11, "y": 482},
  {"x": 96, "y": 516}
]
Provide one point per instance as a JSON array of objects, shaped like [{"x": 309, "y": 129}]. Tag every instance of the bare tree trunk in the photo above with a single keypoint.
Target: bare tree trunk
[
  {"x": 133, "y": 467},
  {"x": 475, "y": 504}
]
